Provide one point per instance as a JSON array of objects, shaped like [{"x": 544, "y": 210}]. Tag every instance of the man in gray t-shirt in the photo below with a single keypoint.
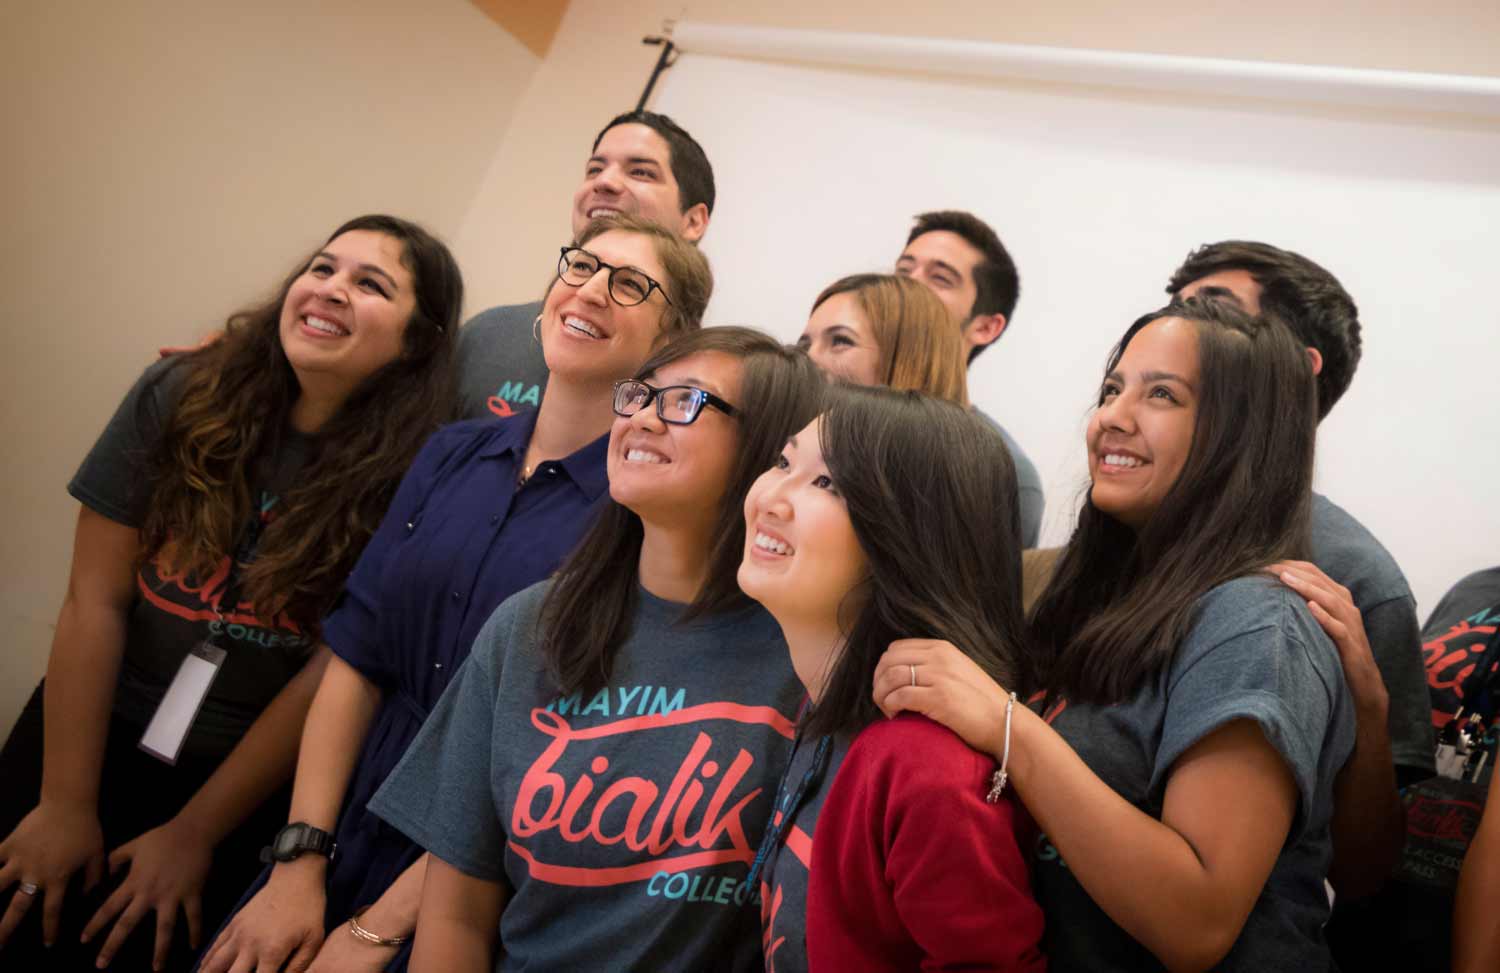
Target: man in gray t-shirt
[
  {"x": 643, "y": 164},
  {"x": 962, "y": 261},
  {"x": 1394, "y": 741}
]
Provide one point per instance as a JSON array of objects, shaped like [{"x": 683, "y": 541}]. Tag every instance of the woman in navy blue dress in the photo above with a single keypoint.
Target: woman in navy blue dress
[{"x": 488, "y": 508}]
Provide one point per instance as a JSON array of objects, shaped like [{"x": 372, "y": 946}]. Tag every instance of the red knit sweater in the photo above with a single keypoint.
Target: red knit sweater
[{"x": 912, "y": 869}]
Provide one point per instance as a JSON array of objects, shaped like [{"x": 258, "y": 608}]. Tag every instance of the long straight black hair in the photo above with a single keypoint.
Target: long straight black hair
[
  {"x": 931, "y": 494},
  {"x": 588, "y": 610},
  {"x": 1121, "y": 601}
]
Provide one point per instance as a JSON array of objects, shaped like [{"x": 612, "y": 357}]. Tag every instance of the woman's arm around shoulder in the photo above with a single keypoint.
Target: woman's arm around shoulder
[{"x": 1230, "y": 799}]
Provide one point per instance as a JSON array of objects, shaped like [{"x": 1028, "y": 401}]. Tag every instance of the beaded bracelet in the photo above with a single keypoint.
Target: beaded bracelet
[{"x": 364, "y": 935}]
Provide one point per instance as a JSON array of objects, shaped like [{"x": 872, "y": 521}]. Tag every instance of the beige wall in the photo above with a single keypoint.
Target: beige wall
[
  {"x": 597, "y": 66},
  {"x": 166, "y": 161}
]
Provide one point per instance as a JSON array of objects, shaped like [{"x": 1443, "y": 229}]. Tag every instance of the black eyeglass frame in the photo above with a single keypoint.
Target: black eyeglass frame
[
  {"x": 701, "y": 397},
  {"x": 562, "y": 265}
]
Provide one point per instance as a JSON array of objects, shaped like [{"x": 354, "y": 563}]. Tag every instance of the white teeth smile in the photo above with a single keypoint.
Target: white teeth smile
[
  {"x": 768, "y": 543},
  {"x": 644, "y": 456},
  {"x": 1115, "y": 459},
  {"x": 582, "y": 327},
  {"x": 324, "y": 325},
  {"x": 599, "y": 211}
]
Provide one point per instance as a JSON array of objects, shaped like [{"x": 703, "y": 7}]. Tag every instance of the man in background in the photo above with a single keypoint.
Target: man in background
[
  {"x": 1393, "y": 742},
  {"x": 642, "y": 163},
  {"x": 962, "y": 260}
]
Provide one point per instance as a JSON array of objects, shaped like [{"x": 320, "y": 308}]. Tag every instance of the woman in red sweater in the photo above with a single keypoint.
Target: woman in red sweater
[{"x": 891, "y": 514}]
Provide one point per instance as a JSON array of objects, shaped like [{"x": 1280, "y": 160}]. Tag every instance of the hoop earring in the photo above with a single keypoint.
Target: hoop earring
[{"x": 536, "y": 326}]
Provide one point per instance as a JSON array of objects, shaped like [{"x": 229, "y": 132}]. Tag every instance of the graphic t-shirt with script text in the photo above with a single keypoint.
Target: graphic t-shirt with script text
[
  {"x": 623, "y": 821},
  {"x": 174, "y": 611}
]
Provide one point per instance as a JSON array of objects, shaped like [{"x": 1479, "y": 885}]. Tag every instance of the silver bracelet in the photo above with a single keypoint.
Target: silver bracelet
[
  {"x": 997, "y": 782},
  {"x": 364, "y": 935}
]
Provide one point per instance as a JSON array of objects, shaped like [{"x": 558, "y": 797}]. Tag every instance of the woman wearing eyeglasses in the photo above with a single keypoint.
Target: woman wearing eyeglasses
[
  {"x": 489, "y": 507},
  {"x": 592, "y": 788}
]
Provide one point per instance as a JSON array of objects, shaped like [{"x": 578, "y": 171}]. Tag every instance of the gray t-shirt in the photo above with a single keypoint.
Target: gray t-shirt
[
  {"x": 173, "y": 612},
  {"x": 1255, "y": 653},
  {"x": 1028, "y": 485},
  {"x": 500, "y": 365},
  {"x": 1455, "y": 637},
  {"x": 624, "y": 823},
  {"x": 1350, "y": 555}
]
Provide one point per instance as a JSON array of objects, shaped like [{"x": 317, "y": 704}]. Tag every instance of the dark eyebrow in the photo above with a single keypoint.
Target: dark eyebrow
[
  {"x": 367, "y": 268},
  {"x": 1165, "y": 377},
  {"x": 791, "y": 441},
  {"x": 950, "y": 268},
  {"x": 1214, "y": 292},
  {"x": 632, "y": 160}
]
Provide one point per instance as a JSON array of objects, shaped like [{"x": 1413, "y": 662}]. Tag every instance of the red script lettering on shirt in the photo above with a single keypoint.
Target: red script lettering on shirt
[{"x": 657, "y": 822}]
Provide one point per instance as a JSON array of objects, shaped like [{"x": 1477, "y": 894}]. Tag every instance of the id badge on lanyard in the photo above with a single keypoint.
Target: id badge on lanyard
[{"x": 178, "y": 710}]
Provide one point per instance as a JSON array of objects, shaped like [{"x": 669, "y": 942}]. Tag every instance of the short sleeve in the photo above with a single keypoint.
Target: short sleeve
[
  {"x": 1396, "y": 643},
  {"x": 351, "y": 629},
  {"x": 440, "y": 794},
  {"x": 113, "y": 479},
  {"x": 1253, "y": 655}
]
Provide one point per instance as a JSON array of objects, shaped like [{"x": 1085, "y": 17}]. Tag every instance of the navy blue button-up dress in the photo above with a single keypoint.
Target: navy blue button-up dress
[{"x": 459, "y": 538}]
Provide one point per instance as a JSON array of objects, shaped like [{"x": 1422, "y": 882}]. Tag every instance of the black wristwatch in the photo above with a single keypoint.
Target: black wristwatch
[{"x": 296, "y": 840}]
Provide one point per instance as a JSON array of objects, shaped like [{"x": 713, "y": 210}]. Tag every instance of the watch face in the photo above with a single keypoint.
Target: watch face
[{"x": 288, "y": 842}]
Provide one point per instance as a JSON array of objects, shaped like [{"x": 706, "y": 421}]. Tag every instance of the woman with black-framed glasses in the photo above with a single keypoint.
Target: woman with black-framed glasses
[
  {"x": 591, "y": 790},
  {"x": 489, "y": 507}
]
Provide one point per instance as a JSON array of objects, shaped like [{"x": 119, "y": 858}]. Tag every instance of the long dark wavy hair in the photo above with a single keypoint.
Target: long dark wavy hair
[
  {"x": 233, "y": 409},
  {"x": 588, "y": 611},
  {"x": 1121, "y": 601},
  {"x": 931, "y": 494}
]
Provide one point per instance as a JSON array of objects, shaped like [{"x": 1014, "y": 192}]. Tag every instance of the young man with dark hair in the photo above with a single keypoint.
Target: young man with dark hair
[
  {"x": 962, "y": 260},
  {"x": 642, "y": 163},
  {"x": 1394, "y": 743}
]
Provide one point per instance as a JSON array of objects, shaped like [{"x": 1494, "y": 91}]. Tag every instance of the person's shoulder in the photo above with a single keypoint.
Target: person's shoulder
[
  {"x": 164, "y": 379},
  {"x": 1349, "y": 554},
  {"x": 1248, "y": 604},
  {"x": 1026, "y": 474},
  {"x": 1258, "y": 610},
  {"x": 914, "y": 749},
  {"x": 1472, "y": 598},
  {"x": 504, "y": 317},
  {"x": 512, "y": 627},
  {"x": 478, "y": 432}
]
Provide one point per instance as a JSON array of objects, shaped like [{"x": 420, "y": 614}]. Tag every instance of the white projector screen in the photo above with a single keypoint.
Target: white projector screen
[{"x": 1099, "y": 193}]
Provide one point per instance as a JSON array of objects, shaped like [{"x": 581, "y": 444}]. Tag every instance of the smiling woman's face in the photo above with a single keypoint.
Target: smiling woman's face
[
  {"x": 668, "y": 473},
  {"x": 586, "y": 335},
  {"x": 344, "y": 317},
  {"x": 1140, "y": 436},
  {"x": 802, "y": 559}
]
